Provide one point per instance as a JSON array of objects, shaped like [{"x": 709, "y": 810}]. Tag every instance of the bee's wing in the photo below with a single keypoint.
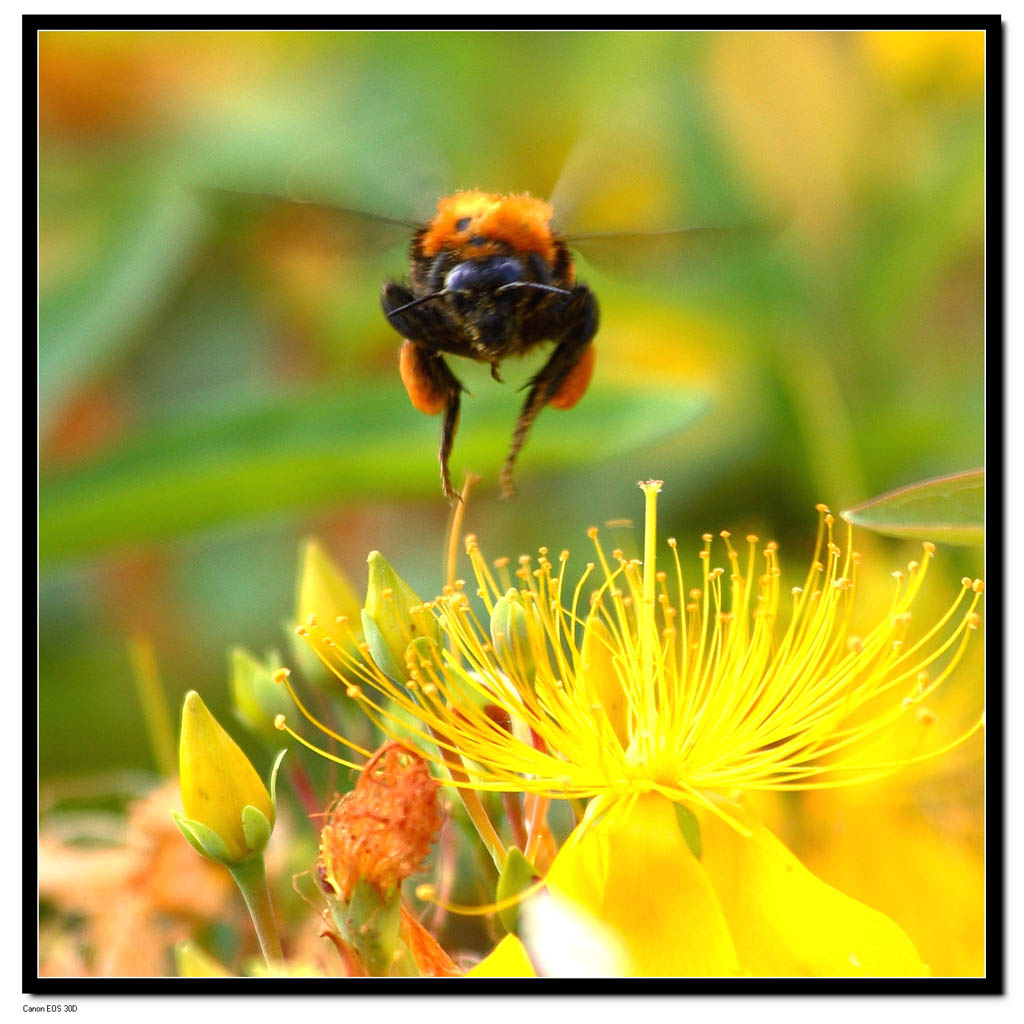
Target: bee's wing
[
  {"x": 589, "y": 189},
  {"x": 669, "y": 250},
  {"x": 617, "y": 204},
  {"x": 336, "y": 229}
]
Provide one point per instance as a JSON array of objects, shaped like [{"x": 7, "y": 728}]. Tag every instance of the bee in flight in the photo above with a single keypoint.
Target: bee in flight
[{"x": 489, "y": 278}]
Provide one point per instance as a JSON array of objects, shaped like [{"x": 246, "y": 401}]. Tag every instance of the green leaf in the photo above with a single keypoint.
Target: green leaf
[
  {"x": 141, "y": 235},
  {"x": 255, "y": 457},
  {"x": 950, "y": 509},
  {"x": 690, "y": 828}
]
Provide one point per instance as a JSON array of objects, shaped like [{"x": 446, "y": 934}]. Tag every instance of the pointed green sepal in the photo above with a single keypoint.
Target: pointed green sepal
[
  {"x": 517, "y": 875},
  {"x": 202, "y": 838},
  {"x": 423, "y": 649},
  {"x": 689, "y": 826},
  {"x": 256, "y": 828}
]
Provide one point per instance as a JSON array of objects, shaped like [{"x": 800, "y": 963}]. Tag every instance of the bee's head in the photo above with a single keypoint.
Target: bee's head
[
  {"x": 474, "y": 288},
  {"x": 486, "y": 298}
]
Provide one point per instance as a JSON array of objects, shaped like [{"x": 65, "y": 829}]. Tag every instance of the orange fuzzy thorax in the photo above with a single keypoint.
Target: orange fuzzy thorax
[{"x": 520, "y": 221}]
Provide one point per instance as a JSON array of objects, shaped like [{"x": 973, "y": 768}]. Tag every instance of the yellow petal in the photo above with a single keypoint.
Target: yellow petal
[
  {"x": 507, "y": 960},
  {"x": 786, "y": 921},
  {"x": 217, "y": 780},
  {"x": 636, "y": 875},
  {"x": 944, "y": 908}
]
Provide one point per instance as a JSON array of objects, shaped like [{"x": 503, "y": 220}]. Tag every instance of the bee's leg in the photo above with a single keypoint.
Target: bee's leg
[
  {"x": 429, "y": 381},
  {"x": 563, "y": 379},
  {"x": 432, "y": 387},
  {"x": 448, "y": 428}
]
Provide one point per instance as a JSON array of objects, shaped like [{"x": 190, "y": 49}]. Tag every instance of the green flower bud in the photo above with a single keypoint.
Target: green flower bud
[
  {"x": 257, "y": 699},
  {"x": 229, "y": 814},
  {"x": 511, "y": 638},
  {"x": 393, "y": 617}
]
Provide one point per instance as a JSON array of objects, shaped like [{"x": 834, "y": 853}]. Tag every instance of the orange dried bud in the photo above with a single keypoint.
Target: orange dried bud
[{"x": 383, "y": 829}]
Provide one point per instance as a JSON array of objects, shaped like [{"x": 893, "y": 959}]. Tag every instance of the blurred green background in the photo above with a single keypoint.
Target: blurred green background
[{"x": 217, "y": 381}]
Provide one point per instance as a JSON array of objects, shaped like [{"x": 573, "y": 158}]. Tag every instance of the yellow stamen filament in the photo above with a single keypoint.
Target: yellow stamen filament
[{"x": 427, "y": 894}]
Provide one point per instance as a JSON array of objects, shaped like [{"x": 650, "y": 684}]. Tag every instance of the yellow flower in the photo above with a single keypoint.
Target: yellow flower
[
  {"x": 661, "y": 716},
  {"x": 229, "y": 814}
]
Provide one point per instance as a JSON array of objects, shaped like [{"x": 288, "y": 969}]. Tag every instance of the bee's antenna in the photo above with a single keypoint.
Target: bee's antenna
[
  {"x": 415, "y": 302},
  {"x": 533, "y": 284}
]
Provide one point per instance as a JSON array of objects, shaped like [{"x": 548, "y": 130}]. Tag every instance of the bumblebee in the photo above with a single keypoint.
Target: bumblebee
[{"x": 489, "y": 278}]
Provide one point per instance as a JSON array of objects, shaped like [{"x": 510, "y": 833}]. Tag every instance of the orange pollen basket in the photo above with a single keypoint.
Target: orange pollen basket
[
  {"x": 423, "y": 392},
  {"x": 574, "y": 387},
  {"x": 520, "y": 221}
]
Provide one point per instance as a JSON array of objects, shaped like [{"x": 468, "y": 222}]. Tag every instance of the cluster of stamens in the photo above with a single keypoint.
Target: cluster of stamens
[{"x": 606, "y": 687}]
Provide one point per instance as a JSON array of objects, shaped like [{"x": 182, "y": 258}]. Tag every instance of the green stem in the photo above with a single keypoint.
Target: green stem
[
  {"x": 251, "y": 879},
  {"x": 646, "y": 622},
  {"x": 474, "y": 808},
  {"x": 153, "y": 701}
]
